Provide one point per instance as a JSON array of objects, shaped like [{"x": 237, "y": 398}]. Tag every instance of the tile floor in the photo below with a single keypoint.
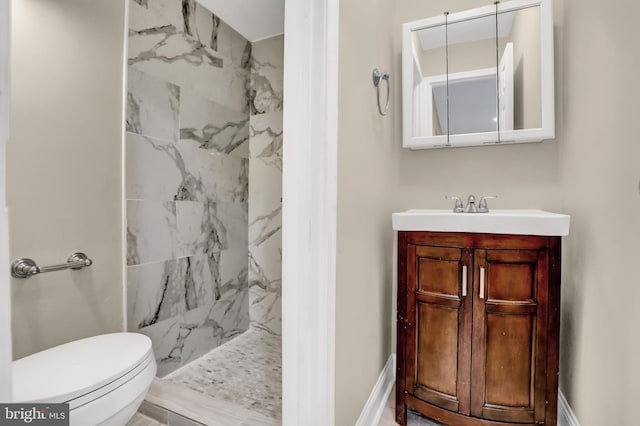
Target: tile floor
[
  {"x": 413, "y": 419},
  {"x": 236, "y": 384},
  {"x": 142, "y": 420},
  {"x": 246, "y": 371}
]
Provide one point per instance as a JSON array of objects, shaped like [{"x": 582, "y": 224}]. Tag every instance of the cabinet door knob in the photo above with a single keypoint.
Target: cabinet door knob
[
  {"x": 464, "y": 281},
  {"x": 481, "y": 282}
]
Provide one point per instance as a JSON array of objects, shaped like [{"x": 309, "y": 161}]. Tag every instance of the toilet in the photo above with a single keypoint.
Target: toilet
[{"x": 103, "y": 378}]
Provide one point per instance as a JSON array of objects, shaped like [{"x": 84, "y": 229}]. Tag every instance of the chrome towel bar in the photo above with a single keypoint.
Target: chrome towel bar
[{"x": 25, "y": 267}]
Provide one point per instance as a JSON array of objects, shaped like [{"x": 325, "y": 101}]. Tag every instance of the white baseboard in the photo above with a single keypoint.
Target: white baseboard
[
  {"x": 566, "y": 417},
  {"x": 373, "y": 409}
]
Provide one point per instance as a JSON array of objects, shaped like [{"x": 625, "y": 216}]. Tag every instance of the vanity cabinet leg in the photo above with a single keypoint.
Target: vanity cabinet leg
[
  {"x": 401, "y": 409},
  {"x": 401, "y": 415}
]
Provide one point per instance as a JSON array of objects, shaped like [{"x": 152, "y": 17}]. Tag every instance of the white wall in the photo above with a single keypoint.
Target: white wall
[
  {"x": 5, "y": 296},
  {"x": 308, "y": 212}
]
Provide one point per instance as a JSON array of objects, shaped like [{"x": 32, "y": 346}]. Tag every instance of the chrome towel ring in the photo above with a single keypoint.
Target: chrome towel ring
[{"x": 377, "y": 76}]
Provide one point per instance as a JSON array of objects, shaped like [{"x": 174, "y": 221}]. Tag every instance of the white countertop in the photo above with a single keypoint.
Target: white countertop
[{"x": 519, "y": 222}]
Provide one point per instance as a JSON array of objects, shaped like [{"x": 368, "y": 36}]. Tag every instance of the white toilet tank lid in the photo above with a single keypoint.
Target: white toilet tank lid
[{"x": 76, "y": 368}]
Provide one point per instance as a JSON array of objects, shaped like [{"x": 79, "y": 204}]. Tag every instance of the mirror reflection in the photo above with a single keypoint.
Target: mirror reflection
[
  {"x": 429, "y": 73},
  {"x": 478, "y": 75},
  {"x": 472, "y": 76},
  {"x": 520, "y": 80}
]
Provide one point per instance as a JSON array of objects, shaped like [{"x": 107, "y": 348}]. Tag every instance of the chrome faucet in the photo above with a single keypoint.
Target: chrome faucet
[{"x": 471, "y": 207}]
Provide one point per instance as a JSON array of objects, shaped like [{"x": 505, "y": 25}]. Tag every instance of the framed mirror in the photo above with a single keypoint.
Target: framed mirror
[{"x": 479, "y": 77}]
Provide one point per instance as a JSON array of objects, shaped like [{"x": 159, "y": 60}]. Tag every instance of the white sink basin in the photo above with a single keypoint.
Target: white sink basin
[{"x": 519, "y": 222}]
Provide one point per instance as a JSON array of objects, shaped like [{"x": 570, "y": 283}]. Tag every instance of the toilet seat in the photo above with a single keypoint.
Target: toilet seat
[{"x": 82, "y": 371}]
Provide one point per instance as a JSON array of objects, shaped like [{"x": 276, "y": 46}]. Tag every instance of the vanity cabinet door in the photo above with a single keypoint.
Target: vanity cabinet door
[
  {"x": 439, "y": 326},
  {"x": 508, "y": 381},
  {"x": 487, "y": 358}
]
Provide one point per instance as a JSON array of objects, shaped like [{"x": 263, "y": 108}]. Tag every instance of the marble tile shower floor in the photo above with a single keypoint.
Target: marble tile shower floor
[{"x": 246, "y": 372}]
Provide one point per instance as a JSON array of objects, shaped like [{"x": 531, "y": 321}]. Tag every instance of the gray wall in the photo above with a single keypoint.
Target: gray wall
[
  {"x": 5, "y": 292},
  {"x": 187, "y": 165},
  {"x": 597, "y": 103},
  {"x": 366, "y": 161},
  {"x": 265, "y": 188},
  {"x": 64, "y": 174},
  {"x": 187, "y": 149},
  {"x": 589, "y": 171}
]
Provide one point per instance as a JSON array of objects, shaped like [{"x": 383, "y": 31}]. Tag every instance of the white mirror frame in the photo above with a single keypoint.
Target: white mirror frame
[{"x": 547, "y": 131}]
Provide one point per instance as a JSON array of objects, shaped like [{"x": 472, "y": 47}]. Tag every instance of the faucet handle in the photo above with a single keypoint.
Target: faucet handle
[
  {"x": 482, "y": 206},
  {"x": 458, "y": 208}
]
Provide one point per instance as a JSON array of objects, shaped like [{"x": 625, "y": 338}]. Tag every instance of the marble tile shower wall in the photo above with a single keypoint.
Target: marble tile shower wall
[
  {"x": 187, "y": 174},
  {"x": 265, "y": 189}
]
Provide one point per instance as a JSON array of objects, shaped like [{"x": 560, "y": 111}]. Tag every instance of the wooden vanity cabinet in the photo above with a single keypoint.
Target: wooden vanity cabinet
[{"x": 478, "y": 328}]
